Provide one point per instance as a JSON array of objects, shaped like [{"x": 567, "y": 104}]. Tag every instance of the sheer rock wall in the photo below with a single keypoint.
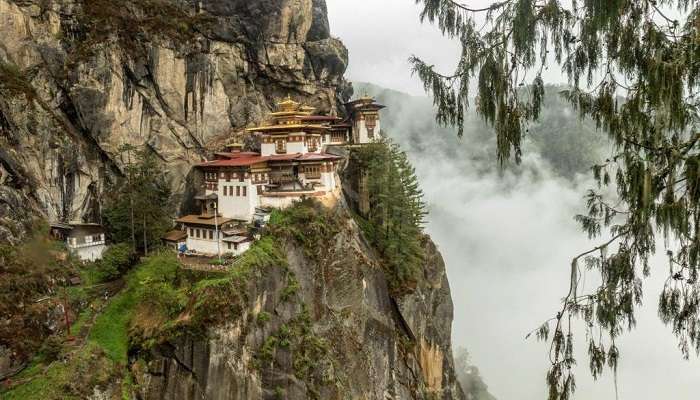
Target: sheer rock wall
[{"x": 181, "y": 101}]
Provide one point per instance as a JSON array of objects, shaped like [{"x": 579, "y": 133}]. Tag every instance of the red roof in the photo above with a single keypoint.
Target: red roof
[
  {"x": 318, "y": 118},
  {"x": 245, "y": 161},
  {"x": 318, "y": 157},
  {"x": 234, "y": 162},
  {"x": 237, "y": 154},
  {"x": 284, "y": 157}
]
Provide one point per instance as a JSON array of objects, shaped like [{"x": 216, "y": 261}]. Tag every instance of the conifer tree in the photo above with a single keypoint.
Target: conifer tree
[
  {"x": 634, "y": 68},
  {"x": 397, "y": 211},
  {"x": 139, "y": 205}
]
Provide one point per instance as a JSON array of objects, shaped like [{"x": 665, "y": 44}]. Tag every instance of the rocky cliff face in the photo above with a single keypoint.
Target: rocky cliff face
[
  {"x": 60, "y": 150},
  {"x": 376, "y": 346}
]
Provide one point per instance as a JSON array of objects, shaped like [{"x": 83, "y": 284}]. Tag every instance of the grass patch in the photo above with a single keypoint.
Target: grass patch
[
  {"x": 111, "y": 328},
  {"x": 103, "y": 358}
]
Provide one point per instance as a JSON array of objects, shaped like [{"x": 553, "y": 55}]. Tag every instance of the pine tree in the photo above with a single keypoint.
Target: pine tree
[
  {"x": 397, "y": 211},
  {"x": 139, "y": 206},
  {"x": 634, "y": 70}
]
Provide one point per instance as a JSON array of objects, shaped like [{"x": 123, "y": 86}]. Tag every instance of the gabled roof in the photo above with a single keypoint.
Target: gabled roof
[
  {"x": 285, "y": 127},
  {"x": 318, "y": 157},
  {"x": 206, "y": 221},
  {"x": 236, "y": 154},
  {"x": 235, "y": 162},
  {"x": 322, "y": 118},
  {"x": 237, "y": 239},
  {"x": 175, "y": 236},
  {"x": 246, "y": 161}
]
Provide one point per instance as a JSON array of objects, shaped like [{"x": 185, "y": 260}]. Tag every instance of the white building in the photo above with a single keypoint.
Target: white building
[
  {"x": 364, "y": 119},
  {"x": 85, "y": 241},
  {"x": 210, "y": 235},
  {"x": 292, "y": 164}
]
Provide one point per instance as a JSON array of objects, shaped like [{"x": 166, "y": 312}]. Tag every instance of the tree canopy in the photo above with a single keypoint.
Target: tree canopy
[
  {"x": 633, "y": 67},
  {"x": 139, "y": 205},
  {"x": 394, "y": 221}
]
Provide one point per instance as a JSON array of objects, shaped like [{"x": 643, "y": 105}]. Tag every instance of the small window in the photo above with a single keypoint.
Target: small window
[
  {"x": 228, "y": 245},
  {"x": 225, "y": 190},
  {"x": 197, "y": 233},
  {"x": 244, "y": 191},
  {"x": 191, "y": 232},
  {"x": 241, "y": 176},
  {"x": 260, "y": 189},
  {"x": 211, "y": 235},
  {"x": 238, "y": 190}
]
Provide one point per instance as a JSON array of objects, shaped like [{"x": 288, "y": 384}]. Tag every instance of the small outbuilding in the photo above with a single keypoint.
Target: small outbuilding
[
  {"x": 175, "y": 240},
  {"x": 84, "y": 240}
]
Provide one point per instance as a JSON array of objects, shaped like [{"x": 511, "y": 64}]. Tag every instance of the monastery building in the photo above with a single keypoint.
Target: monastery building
[{"x": 292, "y": 164}]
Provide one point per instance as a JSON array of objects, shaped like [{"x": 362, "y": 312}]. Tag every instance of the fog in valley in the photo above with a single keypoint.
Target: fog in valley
[{"x": 507, "y": 236}]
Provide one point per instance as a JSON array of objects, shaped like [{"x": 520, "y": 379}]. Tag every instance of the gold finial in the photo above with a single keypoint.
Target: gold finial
[
  {"x": 234, "y": 146},
  {"x": 288, "y": 104}
]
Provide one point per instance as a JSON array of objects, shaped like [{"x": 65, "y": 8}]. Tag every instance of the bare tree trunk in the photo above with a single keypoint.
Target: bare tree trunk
[
  {"x": 133, "y": 227},
  {"x": 145, "y": 237}
]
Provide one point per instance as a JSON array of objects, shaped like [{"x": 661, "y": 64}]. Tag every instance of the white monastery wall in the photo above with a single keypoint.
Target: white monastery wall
[
  {"x": 297, "y": 147},
  {"x": 90, "y": 253},
  {"x": 267, "y": 149},
  {"x": 237, "y": 199}
]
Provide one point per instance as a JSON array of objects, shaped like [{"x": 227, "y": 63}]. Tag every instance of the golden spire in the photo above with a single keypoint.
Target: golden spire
[{"x": 288, "y": 104}]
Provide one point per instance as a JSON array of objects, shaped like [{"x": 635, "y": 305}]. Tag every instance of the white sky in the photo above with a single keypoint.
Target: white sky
[{"x": 382, "y": 34}]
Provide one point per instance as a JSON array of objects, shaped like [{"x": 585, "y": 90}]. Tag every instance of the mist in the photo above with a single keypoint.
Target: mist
[{"x": 508, "y": 237}]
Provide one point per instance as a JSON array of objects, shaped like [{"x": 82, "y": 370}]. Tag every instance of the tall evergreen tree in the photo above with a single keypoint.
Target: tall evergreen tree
[
  {"x": 634, "y": 68},
  {"x": 139, "y": 206},
  {"x": 396, "y": 215}
]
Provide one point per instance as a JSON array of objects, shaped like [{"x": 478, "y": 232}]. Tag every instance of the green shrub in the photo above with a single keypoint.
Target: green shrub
[
  {"x": 308, "y": 223},
  {"x": 115, "y": 262},
  {"x": 263, "y": 317},
  {"x": 291, "y": 289}
]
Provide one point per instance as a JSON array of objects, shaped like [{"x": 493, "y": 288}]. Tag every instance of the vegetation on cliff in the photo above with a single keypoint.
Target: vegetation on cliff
[
  {"x": 394, "y": 219},
  {"x": 139, "y": 205},
  {"x": 73, "y": 341},
  {"x": 30, "y": 277}
]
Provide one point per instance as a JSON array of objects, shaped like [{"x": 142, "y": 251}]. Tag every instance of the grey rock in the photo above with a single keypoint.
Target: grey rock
[
  {"x": 377, "y": 350},
  {"x": 183, "y": 102}
]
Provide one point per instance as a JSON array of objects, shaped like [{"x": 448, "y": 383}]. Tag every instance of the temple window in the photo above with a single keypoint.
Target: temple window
[
  {"x": 211, "y": 235},
  {"x": 244, "y": 191},
  {"x": 281, "y": 146},
  {"x": 238, "y": 191}
]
